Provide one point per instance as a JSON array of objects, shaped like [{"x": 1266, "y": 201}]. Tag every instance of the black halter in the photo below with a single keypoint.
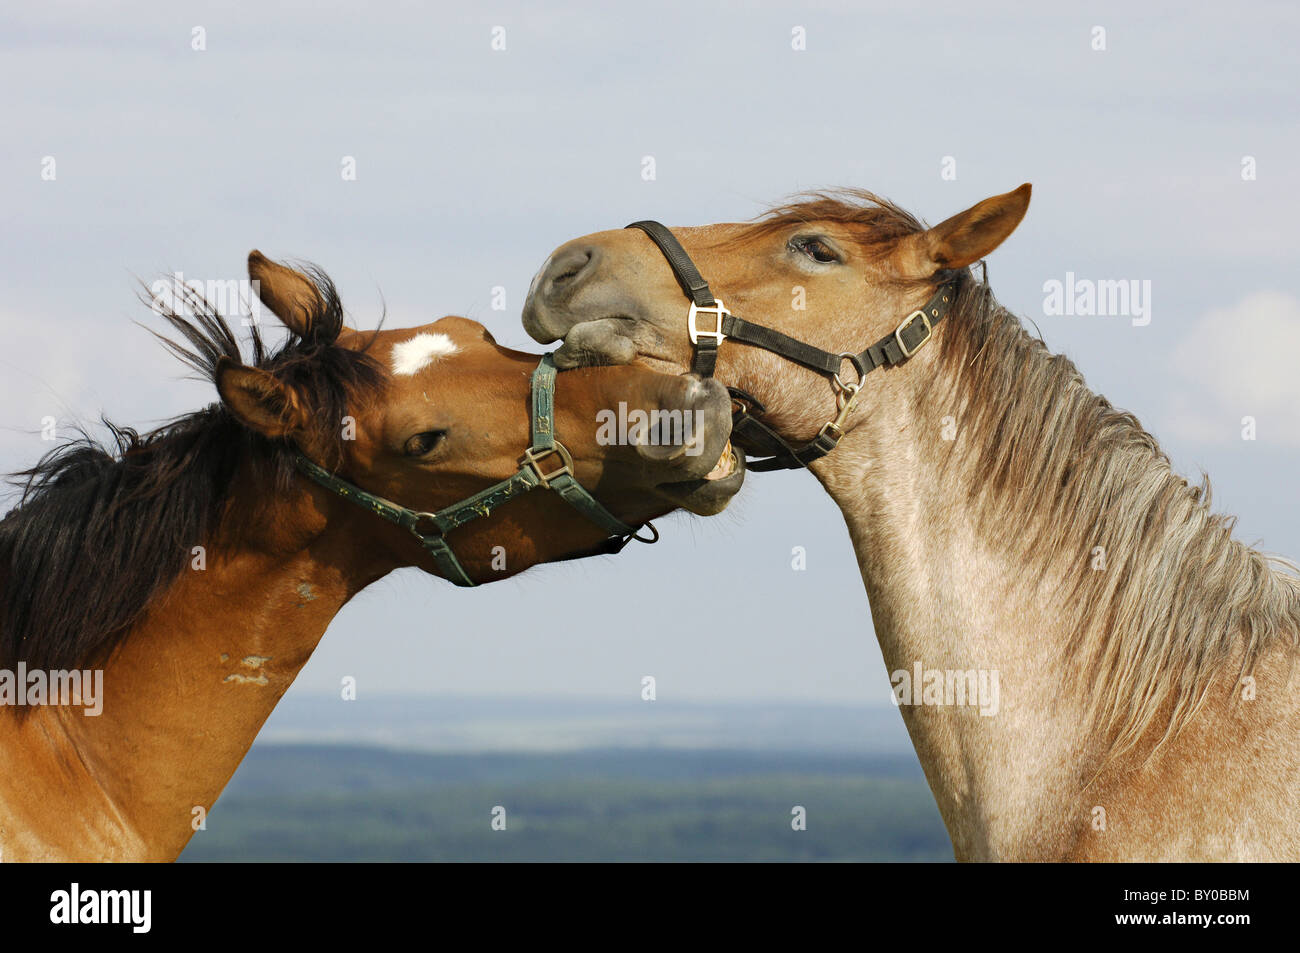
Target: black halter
[{"x": 908, "y": 338}]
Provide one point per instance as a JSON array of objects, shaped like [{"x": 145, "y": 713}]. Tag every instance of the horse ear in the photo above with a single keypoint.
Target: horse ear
[
  {"x": 290, "y": 294},
  {"x": 259, "y": 400},
  {"x": 966, "y": 237}
]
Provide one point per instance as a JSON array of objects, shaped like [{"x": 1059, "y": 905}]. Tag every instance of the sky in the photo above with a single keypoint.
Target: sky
[{"x": 142, "y": 139}]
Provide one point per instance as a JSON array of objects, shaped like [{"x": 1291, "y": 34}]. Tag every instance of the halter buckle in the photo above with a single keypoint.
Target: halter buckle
[
  {"x": 652, "y": 538},
  {"x": 532, "y": 456},
  {"x": 718, "y": 310},
  {"x": 831, "y": 429},
  {"x": 898, "y": 333},
  {"x": 843, "y": 387},
  {"x": 437, "y": 530}
]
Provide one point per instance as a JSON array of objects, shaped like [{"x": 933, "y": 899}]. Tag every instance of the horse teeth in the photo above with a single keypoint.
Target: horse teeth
[{"x": 726, "y": 464}]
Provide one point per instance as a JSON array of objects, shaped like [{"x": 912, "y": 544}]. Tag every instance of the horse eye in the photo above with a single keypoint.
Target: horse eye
[
  {"x": 817, "y": 250},
  {"x": 423, "y": 443}
]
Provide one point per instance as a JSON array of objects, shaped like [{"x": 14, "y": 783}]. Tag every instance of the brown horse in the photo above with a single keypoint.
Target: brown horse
[
  {"x": 196, "y": 567},
  {"x": 1015, "y": 532}
]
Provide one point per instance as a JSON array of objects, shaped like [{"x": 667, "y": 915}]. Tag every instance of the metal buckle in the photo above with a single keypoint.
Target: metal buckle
[
  {"x": 846, "y": 396},
  {"x": 898, "y": 332},
  {"x": 839, "y": 385},
  {"x": 652, "y": 538},
  {"x": 717, "y": 309},
  {"x": 828, "y": 427},
  {"x": 437, "y": 531},
  {"x": 532, "y": 456}
]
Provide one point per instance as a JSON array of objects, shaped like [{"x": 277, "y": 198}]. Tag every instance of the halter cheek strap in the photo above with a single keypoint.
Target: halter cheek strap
[
  {"x": 721, "y": 325},
  {"x": 431, "y": 529}
]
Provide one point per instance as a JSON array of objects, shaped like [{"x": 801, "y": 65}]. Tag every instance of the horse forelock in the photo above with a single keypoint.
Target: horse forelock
[{"x": 871, "y": 218}]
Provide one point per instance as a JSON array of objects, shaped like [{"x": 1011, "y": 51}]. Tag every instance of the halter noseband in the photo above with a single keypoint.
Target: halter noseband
[
  {"x": 431, "y": 528},
  {"x": 908, "y": 338}
]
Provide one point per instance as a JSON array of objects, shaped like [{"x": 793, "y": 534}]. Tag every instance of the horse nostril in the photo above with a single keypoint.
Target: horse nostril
[
  {"x": 568, "y": 271},
  {"x": 573, "y": 270}
]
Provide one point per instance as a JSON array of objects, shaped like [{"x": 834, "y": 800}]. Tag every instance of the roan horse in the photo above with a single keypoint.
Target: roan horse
[
  {"x": 1006, "y": 519},
  {"x": 197, "y": 568}
]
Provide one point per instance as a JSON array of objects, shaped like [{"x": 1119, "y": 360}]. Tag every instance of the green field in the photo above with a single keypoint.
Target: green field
[{"x": 348, "y": 803}]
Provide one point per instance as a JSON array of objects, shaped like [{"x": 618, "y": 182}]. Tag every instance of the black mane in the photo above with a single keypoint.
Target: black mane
[{"x": 104, "y": 527}]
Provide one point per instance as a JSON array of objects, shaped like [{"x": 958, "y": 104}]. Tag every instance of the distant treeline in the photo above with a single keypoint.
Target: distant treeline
[{"x": 335, "y": 803}]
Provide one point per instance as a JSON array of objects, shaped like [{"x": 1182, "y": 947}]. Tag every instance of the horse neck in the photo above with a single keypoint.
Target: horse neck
[
  {"x": 186, "y": 690},
  {"x": 944, "y": 599}
]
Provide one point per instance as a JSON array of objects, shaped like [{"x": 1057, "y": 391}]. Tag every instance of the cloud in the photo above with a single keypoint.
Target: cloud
[{"x": 1239, "y": 362}]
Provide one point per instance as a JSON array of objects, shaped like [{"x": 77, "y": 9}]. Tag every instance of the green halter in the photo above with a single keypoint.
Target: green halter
[{"x": 431, "y": 528}]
